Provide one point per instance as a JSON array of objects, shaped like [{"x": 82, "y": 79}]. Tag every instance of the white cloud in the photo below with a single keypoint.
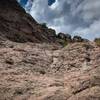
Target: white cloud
[
  {"x": 69, "y": 16},
  {"x": 92, "y": 31},
  {"x": 18, "y": 0},
  {"x": 29, "y": 5}
]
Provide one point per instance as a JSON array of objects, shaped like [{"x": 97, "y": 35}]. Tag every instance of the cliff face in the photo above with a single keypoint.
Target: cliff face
[
  {"x": 17, "y": 25},
  {"x": 42, "y": 71}
]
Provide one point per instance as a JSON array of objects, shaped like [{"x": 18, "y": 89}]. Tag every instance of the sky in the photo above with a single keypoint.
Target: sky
[
  {"x": 23, "y": 2},
  {"x": 76, "y": 17}
]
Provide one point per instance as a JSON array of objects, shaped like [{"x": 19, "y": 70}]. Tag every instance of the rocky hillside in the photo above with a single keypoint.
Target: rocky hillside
[
  {"x": 34, "y": 67},
  {"x": 17, "y": 25}
]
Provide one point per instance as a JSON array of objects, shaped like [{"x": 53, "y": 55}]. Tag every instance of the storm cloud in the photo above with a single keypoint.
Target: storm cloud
[{"x": 77, "y": 17}]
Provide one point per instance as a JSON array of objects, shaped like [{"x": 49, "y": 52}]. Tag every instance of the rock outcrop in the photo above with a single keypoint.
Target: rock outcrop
[
  {"x": 77, "y": 39},
  {"x": 68, "y": 38}
]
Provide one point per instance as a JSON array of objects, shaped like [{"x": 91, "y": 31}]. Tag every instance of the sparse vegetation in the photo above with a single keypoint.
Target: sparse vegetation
[
  {"x": 63, "y": 42},
  {"x": 97, "y": 41},
  {"x": 44, "y": 25}
]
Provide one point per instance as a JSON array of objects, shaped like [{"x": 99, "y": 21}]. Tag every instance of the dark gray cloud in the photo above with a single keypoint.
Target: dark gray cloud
[{"x": 78, "y": 17}]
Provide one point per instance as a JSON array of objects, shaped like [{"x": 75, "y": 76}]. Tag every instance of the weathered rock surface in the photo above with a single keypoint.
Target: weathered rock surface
[{"x": 30, "y": 71}]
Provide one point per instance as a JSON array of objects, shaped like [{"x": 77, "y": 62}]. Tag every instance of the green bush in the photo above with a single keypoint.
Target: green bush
[
  {"x": 97, "y": 41},
  {"x": 63, "y": 42}
]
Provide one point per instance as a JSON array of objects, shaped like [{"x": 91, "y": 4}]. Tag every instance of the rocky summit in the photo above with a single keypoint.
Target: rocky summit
[{"x": 34, "y": 66}]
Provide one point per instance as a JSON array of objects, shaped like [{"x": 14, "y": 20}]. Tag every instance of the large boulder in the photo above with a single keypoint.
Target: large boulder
[
  {"x": 66, "y": 37},
  {"x": 77, "y": 39},
  {"x": 61, "y": 36}
]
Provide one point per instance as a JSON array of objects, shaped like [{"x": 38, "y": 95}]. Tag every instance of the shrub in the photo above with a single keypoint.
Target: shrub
[
  {"x": 44, "y": 25},
  {"x": 63, "y": 42},
  {"x": 97, "y": 41}
]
